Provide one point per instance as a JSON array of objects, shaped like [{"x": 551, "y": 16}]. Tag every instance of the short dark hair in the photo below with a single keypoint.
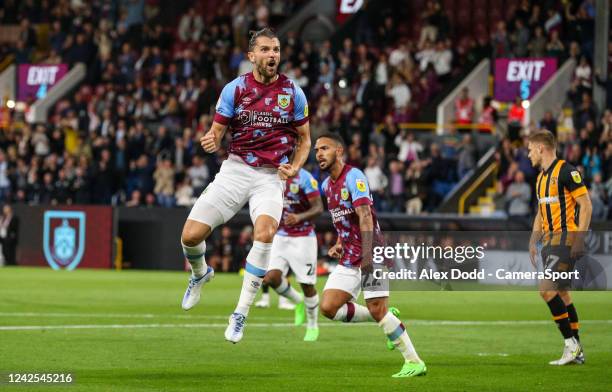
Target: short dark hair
[
  {"x": 254, "y": 34},
  {"x": 544, "y": 137},
  {"x": 334, "y": 136}
]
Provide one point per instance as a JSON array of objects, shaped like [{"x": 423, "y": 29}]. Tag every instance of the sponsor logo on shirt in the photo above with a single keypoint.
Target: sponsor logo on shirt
[
  {"x": 549, "y": 200},
  {"x": 576, "y": 177},
  {"x": 339, "y": 213},
  {"x": 260, "y": 119}
]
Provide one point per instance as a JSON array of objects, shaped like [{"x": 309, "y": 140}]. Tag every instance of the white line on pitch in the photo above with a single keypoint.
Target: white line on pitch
[
  {"x": 219, "y": 317},
  {"x": 128, "y": 315},
  {"x": 274, "y": 325}
]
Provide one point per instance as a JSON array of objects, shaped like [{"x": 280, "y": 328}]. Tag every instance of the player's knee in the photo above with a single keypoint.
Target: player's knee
[
  {"x": 328, "y": 309},
  {"x": 273, "y": 278},
  {"x": 265, "y": 234},
  {"x": 378, "y": 310},
  {"x": 193, "y": 235},
  {"x": 565, "y": 296},
  {"x": 547, "y": 295},
  {"x": 309, "y": 290}
]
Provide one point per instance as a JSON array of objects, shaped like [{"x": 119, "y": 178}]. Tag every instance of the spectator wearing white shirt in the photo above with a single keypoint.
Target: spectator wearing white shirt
[
  {"x": 191, "y": 26},
  {"x": 198, "y": 174},
  {"x": 5, "y": 184},
  {"x": 583, "y": 73},
  {"x": 376, "y": 180},
  {"x": 398, "y": 55},
  {"x": 399, "y": 91},
  {"x": 426, "y": 56},
  {"x": 442, "y": 60},
  {"x": 409, "y": 148},
  {"x": 381, "y": 73}
]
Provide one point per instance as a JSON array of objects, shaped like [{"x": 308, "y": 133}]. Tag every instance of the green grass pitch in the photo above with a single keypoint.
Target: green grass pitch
[{"x": 125, "y": 331}]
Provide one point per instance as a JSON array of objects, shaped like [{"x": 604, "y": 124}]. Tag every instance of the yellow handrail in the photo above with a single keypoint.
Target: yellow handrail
[
  {"x": 434, "y": 126},
  {"x": 8, "y": 60},
  {"x": 492, "y": 167}
]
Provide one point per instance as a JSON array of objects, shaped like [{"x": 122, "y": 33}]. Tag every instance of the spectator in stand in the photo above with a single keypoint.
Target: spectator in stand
[
  {"x": 426, "y": 55},
  {"x": 442, "y": 61},
  {"x": 537, "y": 45},
  {"x": 584, "y": 75},
  {"x": 488, "y": 115},
  {"x": 377, "y": 182},
  {"x": 466, "y": 160},
  {"x": 5, "y": 185},
  {"x": 399, "y": 91},
  {"x": 164, "y": 182},
  {"x": 191, "y": 26},
  {"x": 516, "y": 116},
  {"x": 396, "y": 186},
  {"x": 430, "y": 17},
  {"x": 415, "y": 193},
  {"x": 198, "y": 174},
  {"x": 507, "y": 178},
  {"x": 184, "y": 193},
  {"x": 518, "y": 196},
  {"x": 520, "y": 38},
  {"x": 500, "y": 41},
  {"x": 9, "y": 235},
  {"x": 409, "y": 148},
  {"x": 464, "y": 108},
  {"x": 555, "y": 47},
  {"x": 585, "y": 112},
  {"x": 549, "y": 122}
]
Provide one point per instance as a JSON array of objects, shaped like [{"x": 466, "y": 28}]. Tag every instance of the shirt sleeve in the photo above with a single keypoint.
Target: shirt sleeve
[
  {"x": 300, "y": 106},
  {"x": 225, "y": 104},
  {"x": 309, "y": 184},
  {"x": 571, "y": 179},
  {"x": 358, "y": 187}
]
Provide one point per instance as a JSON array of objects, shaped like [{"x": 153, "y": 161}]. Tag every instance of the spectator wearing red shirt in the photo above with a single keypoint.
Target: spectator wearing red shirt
[
  {"x": 516, "y": 114},
  {"x": 464, "y": 108}
]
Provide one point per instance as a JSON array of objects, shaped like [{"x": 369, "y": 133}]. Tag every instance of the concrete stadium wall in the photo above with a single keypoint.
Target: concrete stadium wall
[
  {"x": 477, "y": 82},
  {"x": 553, "y": 94}
]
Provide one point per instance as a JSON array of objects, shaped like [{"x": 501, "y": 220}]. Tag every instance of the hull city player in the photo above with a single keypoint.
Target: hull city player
[
  {"x": 350, "y": 203},
  {"x": 266, "y": 115},
  {"x": 563, "y": 217}
]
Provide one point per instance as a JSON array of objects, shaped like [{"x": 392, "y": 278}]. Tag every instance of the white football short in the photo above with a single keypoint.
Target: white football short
[
  {"x": 349, "y": 279},
  {"x": 299, "y": 253},
  {"x": 236, "y": 184}
]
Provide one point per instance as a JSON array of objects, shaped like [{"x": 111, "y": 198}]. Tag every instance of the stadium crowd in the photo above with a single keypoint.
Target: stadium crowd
[
  {"x": 582, "y": 129},
  {"x": 129, "y": 134}
]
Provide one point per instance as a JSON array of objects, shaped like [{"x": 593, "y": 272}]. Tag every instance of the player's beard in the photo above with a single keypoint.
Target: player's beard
[
  {"x": 266, "y": 71},
  {"x": 327, "y": 164}
]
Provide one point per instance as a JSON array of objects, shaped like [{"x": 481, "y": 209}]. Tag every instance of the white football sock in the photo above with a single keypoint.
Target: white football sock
[
  {"x": 255, "y": 270},
  {"x": 312, "y": 310},
  {"x": 287, "y": 291},
  {"x": 195, "y": 256},
  {"x": 351, "y": 312},
  {"x": 396, "y": 332}
]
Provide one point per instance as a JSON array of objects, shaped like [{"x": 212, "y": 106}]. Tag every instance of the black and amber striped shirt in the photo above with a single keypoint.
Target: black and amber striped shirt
[{"x": 557, "y": 189}]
